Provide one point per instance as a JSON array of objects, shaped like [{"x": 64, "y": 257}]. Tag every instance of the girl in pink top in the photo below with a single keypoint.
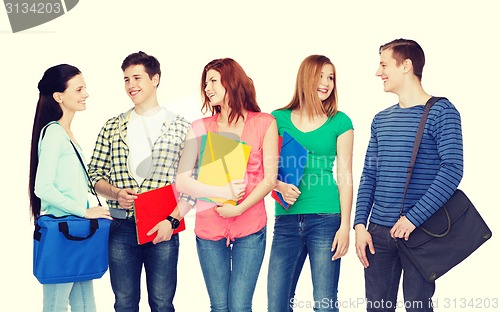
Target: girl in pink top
[{"x": 230, "y": 239}]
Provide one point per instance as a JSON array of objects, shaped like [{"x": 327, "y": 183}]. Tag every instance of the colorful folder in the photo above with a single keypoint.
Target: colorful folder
[
  {"x": 152, "y": 207},
  {"x": 293, "y": 160},
  {"x": 222, "y": 160}
]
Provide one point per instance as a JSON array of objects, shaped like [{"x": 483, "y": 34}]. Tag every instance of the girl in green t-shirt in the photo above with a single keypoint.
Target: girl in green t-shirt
[{"x": 316, "y": 222}]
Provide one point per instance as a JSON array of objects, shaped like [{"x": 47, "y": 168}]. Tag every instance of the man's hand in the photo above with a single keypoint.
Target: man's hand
[
  {"x": 163, "y": 231},
  {"x": 363, "y": 240},
  {"x": 125, "y": 198},
  {"x": 402, "y": 228}
]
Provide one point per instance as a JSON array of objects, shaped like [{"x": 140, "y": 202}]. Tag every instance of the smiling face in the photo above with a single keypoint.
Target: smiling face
[
  {"x": 214, "y": 89},
  {"x": 390, "y": 72},
  {"x": 138, "y": 85},
  {"x": 325, "y": 84},
  {"x": 74, "y": 97}
]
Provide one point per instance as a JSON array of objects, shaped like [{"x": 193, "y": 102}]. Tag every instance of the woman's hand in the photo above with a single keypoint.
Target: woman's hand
[
  {"x": 97, "y": 212},
  {"x": 234, "y": 190},
  {"x": 340, "y": 242},
  {"x": 227, "y": 210},
  {"x": 289, "y": 192}
]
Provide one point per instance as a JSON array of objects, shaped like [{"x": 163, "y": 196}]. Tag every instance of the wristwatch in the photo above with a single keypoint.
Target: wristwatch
[{"x": 175, "y": 222}]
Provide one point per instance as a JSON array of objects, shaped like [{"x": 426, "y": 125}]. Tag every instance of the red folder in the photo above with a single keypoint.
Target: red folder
[{"x": 152, "y": 207}]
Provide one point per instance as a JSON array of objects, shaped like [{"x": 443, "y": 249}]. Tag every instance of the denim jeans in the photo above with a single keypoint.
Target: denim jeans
[
  {"x": 231, "y": 272},
  {"x": 126, "y": 259},
  {"x": 295, "y": 237},
  {"x": 80, "y": 296},
  {"x": 384, "y": 272}
]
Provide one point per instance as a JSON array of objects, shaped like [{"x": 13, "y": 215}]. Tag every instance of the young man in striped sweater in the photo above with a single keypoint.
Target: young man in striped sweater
[{"x": 436, "y": 175}]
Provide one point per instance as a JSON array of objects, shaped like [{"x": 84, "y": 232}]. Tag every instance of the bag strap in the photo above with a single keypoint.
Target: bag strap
[
  {"x": 92, "y": 189},
  {"x": 418, "y": 139}
]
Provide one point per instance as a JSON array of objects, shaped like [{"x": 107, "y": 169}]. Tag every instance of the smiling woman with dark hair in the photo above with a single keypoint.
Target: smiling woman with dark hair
[{"x": 57, "y": 182}]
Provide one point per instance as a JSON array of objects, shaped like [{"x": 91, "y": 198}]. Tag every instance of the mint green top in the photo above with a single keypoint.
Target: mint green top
[
  {"x": 319, "y": 191},
  {"x": 60, "y": 183}
]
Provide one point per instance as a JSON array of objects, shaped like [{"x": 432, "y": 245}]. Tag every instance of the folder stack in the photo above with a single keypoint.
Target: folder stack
[{"x": 222, "y": 160}]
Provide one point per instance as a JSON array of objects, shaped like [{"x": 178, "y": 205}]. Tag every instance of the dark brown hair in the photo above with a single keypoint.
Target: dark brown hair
[
  {"x": 150, "y": 63},
  {"x": 404, "y": 49},
  {"x": 55, "y": 79}
]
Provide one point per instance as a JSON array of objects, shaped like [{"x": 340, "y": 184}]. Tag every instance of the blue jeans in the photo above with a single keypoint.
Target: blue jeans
[
  {"x": 295, "y": 237},
  {"x": 126, "y": 259},
  {"x": 231, "y": 272},
  {"x": 80, "y": 296},
  {"x": 384, "y": 272}
]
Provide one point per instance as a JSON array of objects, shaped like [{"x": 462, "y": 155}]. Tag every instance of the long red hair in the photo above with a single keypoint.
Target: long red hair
[{"x": 240, "y": 90}]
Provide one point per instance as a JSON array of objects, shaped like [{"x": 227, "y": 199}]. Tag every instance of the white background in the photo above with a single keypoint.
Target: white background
[{"x": 269, "y": 39}]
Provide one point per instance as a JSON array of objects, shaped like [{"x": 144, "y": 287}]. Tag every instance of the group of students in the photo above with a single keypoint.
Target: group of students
[{"x": 149, "y": 146}]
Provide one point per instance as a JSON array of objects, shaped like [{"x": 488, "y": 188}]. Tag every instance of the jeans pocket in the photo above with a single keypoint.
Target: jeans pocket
[
  {"x": 115, "y": 224},
  {"x": 175, "y": 240},
  {"x": 372, "y": 227}
]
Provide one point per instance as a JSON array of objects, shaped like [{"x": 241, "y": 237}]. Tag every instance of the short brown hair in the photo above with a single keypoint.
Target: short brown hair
[{"x": 403, "y": 49}]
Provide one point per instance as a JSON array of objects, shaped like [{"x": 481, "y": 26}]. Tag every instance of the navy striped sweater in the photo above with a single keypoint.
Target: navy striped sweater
[{"x": 437, "y": 172}]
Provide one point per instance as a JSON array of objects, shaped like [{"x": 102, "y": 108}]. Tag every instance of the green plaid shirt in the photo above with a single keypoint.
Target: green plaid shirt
[{"x": 110, "y": 157}]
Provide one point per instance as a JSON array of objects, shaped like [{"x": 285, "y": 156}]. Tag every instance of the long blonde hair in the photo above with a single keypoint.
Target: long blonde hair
[{"x": 305, "y": 95}]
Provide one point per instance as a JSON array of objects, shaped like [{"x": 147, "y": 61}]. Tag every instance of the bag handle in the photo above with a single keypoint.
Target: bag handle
[
  {"x": 418, "y": 139},
  {"x": 64, "y": 228}
]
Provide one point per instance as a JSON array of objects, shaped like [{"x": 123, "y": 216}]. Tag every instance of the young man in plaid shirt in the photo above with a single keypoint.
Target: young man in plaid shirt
[{"x": 137, "y": 151}]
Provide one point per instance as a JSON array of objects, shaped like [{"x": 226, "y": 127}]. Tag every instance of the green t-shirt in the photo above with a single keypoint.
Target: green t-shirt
[{"x": 319, "y": 191}]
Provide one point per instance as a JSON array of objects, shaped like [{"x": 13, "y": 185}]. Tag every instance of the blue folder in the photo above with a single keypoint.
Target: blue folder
[{"x": 292, "y": 162}]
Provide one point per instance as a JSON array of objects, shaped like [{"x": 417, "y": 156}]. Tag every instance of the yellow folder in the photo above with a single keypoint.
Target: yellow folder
[{"x": 222, "y": 160}]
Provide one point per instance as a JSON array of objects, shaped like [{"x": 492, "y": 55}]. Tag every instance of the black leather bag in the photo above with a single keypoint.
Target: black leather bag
[{"x": 450, "y": 235}]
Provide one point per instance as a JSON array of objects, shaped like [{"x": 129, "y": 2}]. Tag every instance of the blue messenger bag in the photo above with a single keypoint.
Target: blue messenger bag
[{"x": 70, "y": 248}]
